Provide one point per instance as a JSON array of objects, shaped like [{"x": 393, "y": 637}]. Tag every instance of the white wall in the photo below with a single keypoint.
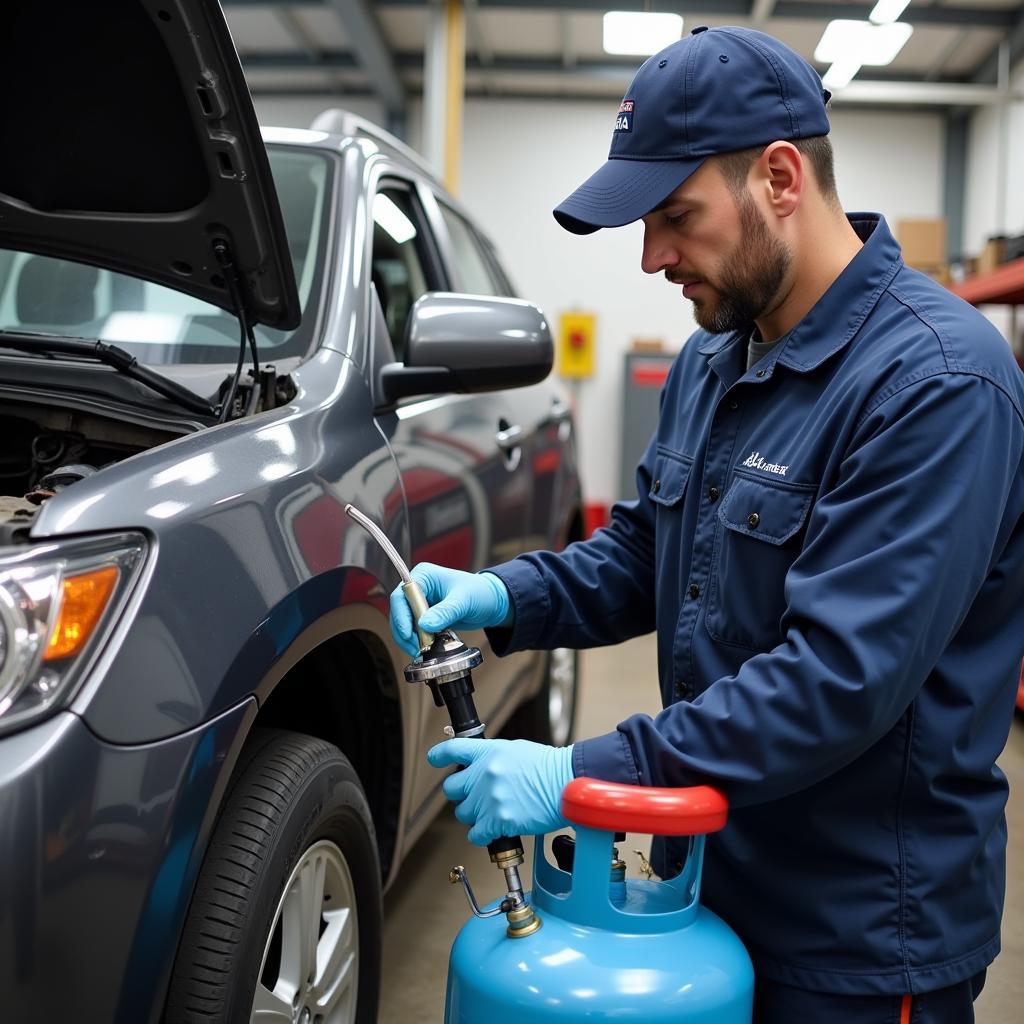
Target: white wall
[
  {"x": 889, "y": 163},
  {"x": 521, "y": 158},
  {"x": 982, "y": 200},
  {"x": 981, "y": 216}
]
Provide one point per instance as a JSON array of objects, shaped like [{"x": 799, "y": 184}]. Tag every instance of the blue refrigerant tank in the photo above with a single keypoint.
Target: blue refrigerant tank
[{"x": 609, "y": 948}]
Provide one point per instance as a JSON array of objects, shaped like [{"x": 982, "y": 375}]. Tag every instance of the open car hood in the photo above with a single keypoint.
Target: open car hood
[{"x": 128, "y": 141}]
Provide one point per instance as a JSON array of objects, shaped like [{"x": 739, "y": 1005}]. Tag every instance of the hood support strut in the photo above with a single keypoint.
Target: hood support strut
[{"x": 235, "y": 283}]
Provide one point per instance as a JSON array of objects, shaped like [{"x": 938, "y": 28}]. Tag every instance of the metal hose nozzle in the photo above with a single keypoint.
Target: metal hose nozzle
[{"x": 411, "y": 589}]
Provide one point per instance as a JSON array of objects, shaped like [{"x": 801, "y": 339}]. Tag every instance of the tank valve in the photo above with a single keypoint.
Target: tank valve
[
  {"x": 522, "y": 920},
  {"x": 645, "y": 865}
]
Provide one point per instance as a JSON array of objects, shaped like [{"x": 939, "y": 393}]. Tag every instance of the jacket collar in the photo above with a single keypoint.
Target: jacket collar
[{"x": 837, "y": 316}]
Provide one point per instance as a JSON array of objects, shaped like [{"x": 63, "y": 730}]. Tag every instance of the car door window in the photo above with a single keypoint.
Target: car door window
[
  {"x": 400, "y": 260},
  {"x": 470, "y": 260}
]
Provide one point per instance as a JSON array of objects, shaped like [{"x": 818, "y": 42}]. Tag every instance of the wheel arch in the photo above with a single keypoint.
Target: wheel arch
[{"x": 342, "y": 688}]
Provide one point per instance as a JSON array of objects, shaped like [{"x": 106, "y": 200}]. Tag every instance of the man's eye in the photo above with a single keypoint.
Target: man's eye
[{"x": 675, "y": 218}]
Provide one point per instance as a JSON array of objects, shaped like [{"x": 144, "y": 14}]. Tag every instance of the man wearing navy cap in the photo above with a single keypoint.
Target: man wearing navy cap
[{"x": 827, "y": 538}]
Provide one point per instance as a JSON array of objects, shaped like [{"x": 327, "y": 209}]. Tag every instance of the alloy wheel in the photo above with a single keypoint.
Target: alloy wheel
[
  {"x": 310, "y": 968},
  {"x": 561, "y": 693}
]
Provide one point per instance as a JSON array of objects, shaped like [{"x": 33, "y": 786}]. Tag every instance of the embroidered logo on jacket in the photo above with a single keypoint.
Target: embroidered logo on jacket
[{"x": 754, "y": 461}]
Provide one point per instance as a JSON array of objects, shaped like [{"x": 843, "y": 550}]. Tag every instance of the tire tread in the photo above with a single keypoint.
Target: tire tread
[{"x": 266, "y": 781}]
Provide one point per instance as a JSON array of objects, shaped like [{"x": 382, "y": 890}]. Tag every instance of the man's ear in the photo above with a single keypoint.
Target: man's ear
[{"x": 779, "y": 172}]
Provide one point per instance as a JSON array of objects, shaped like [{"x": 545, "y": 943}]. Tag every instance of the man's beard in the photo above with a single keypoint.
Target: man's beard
[{"x": 750, "y": 277}]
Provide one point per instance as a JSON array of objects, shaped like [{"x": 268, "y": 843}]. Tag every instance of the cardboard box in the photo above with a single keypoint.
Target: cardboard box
[
  {"x": 923, "y": 242},
  {"x": 939, "y": 272},
  {"x": 992, "y": 255},
  {"x": 1013, "y": 248},
  {"x": 648, "y": 345}
]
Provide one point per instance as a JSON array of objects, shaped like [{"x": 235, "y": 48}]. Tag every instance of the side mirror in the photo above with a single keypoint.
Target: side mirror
[{"x": 469, "y": 343}]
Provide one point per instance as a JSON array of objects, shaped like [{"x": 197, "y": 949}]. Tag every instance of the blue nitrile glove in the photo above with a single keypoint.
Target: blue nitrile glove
[
  {"x": 511, "y": 787},
  {"x": 459, "y": 600}
]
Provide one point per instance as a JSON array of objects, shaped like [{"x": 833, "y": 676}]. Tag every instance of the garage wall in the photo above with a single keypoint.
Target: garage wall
[
  {"x": 981, "y": 199},
  {"x": 522, "y": 158},
  {"x": 981, "y": 205}
]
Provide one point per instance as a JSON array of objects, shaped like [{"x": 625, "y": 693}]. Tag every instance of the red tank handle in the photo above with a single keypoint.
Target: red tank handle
[{"x": 649, "y": 810}]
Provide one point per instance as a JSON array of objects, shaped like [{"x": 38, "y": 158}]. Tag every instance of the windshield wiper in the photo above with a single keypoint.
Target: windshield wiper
[{"x": 111, "y": 355}]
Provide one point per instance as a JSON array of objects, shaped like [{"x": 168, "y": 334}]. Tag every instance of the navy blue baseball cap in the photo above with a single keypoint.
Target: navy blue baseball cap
[{"x": 718, "y": 90}]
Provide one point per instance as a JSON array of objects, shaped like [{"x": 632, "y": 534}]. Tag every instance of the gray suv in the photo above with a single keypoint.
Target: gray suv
[{"x": 210, "y": 763}]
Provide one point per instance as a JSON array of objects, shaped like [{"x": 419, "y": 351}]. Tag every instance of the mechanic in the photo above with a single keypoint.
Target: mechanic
[{"x": 828, "y": 538}]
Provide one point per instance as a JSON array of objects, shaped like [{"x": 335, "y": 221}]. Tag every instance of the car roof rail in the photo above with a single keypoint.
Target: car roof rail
[{"x": 337, "y": 121}]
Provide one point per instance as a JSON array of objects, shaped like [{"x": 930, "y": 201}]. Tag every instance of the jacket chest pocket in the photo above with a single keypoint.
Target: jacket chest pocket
[
  {"x": 668, "y": 477},
  {"x": 761, "y": 533}
]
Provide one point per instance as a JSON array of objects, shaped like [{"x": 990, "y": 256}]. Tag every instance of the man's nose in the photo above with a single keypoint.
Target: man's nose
[{"x": 658, "y": 252}]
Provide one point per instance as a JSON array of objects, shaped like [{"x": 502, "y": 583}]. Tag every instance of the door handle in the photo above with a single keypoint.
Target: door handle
[
  {"x": 509, "y": 438},
  {"x": 560, "y": 410},
  {"x": 510, "y": 441}
]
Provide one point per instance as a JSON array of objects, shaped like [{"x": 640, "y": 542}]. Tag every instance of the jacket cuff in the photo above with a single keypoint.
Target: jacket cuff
[
  {"x": 528, "y": 595},
  {"x": 608, "y": 757}
]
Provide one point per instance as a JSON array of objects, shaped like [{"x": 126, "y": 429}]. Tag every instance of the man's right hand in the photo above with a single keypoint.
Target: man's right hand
[{"x": 458, "y": 600}]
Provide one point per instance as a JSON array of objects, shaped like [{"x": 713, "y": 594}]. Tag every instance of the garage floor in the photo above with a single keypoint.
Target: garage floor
[{"x": 423, "y": 912}]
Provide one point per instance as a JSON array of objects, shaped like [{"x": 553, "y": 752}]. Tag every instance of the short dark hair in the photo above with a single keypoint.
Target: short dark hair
[{"x": 817, "y": 149}]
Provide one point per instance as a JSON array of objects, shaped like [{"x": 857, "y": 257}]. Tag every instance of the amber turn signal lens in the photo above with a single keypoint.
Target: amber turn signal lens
[{"x": 84, "y": 598}]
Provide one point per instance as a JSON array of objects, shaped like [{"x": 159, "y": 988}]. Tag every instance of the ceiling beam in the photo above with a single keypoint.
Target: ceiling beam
[
  {"x": 296, "y": 60},
  {"x": 296, "y": 33},
  {"x": 882, "y": 89},
  {"x": 973, "y": 17},
  {"x": 475, "y": 31},
  {"x": 568, "y": 50},
  {"x": 609, "y": 66},
  {"x": 373, "y": 53},
  {"x": 988, "y": 70},
  {"x": 943, "y": 94},
  {"x": 978, "y": 17},
  {"x": 477, "y": 36},
  {"x": 944, "y": 57}
]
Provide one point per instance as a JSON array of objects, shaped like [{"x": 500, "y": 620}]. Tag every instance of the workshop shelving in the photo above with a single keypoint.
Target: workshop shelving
[{"x": 1004, "y": 285}]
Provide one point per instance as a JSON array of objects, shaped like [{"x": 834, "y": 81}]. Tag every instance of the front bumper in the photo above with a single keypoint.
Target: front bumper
[{"x": 100, "y": 846}]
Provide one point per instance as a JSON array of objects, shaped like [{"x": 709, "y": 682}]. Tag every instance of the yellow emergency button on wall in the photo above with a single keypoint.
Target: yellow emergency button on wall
[{"x": 82, "y": 603}]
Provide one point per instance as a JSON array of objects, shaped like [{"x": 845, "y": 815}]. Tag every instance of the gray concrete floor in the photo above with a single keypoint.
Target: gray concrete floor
[{"x": 423, "y": 913}]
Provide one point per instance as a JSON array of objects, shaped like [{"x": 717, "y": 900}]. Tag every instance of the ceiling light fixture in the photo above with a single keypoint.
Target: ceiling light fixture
[
  {"x": 640, "y": 33},
  {"x": 852, "y": 44},
  {"x": 840, "y": 74},
  {"x": 886, "y": 11}
]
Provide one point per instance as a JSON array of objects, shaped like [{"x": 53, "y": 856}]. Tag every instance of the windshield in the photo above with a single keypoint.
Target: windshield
[{"x": 158, "y": 325}]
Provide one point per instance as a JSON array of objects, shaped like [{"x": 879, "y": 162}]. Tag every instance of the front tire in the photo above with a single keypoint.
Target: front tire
[{"x": 285, "y": 922}]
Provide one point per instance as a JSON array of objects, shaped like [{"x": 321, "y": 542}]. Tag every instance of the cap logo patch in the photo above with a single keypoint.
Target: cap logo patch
[{"x": 624, "y": 120}]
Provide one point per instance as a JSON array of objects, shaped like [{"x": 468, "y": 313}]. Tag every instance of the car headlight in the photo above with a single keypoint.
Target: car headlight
[{"x": 58, "y": 603}]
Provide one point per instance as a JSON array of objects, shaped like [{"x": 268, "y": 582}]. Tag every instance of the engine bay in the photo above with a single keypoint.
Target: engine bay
[{"x": 47, "y": 449}]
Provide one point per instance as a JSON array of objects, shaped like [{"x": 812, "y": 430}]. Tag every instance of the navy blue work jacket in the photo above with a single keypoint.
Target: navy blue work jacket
[{"x": 831, "y": 548}]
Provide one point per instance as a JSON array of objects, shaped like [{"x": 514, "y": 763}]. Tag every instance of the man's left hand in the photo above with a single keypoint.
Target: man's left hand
[{"x": 509, "y": 787}]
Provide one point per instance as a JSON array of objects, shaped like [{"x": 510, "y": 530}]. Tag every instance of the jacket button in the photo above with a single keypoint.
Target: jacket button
[
  {"x": 694, "y": 590},
  {"x": 657, "y": 486},
  {"x": 760, "y": 373},
  {"x": 752, "y": 520},
  {"x": 734, "y": 405},
  {"x": 713, "y": 493},
  {"x": 680, "y": 688}
]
